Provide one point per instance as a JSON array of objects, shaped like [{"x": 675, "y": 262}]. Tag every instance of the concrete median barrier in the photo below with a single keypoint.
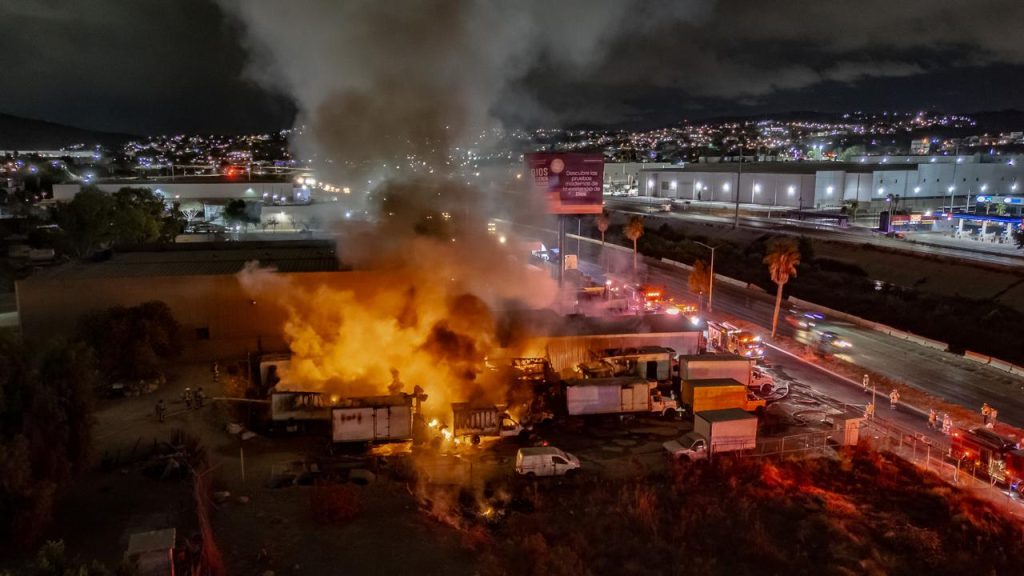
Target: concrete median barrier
[
  {"x": 686, "y": 267},
  {"x": 975, "y": 357}
]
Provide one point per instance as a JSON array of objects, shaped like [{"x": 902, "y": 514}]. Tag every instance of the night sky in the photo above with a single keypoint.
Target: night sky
[{"x": 150, "y": 66}]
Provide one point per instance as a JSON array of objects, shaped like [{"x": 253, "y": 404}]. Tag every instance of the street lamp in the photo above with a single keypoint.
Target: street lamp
[{"x": 711, "y": 275}]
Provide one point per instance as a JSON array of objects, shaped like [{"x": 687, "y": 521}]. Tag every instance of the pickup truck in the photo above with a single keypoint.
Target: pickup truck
[{"x": 692, "y": 446}]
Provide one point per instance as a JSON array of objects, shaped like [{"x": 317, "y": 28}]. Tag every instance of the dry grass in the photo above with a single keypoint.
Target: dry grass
[
  {"x": 861, "y": 513},
  {"x": 334, "y": 503}
]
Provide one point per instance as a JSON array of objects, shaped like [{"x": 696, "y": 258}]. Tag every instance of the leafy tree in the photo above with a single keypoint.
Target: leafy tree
[
  {"x": 782, "y": 259},
  {"x": 45, "y": 432},
  {"x": 130, "y": 343},
  {"x": 633, "y": 230},
  {"x": 602, "y": 224},
  {"x": 94, "y": 219},
  {"x": 86, "y": 221},
  {"x": 699, "y": 281},
  {"x": 1000, "y": 209},
  {"x": 236, "y": 212},
  {"x": 138, "y": 216}
]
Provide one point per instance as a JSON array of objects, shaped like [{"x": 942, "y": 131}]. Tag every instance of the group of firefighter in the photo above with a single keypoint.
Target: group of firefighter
[
  {"x": 193, "y": 399},
  {"x": 988, "y": 413}
]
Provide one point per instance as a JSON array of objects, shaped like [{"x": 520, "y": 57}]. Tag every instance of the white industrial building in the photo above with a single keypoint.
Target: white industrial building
[
  {"x": 191, "y": 191},
  {"x": 922, "y": 183}
]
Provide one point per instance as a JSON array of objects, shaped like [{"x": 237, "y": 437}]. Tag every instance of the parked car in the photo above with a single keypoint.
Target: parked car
[{"x": 545, "y": 461}]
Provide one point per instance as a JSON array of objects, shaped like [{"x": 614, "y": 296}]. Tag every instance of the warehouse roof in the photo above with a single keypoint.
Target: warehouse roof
[
  {"x": 715, "y": 357},
  {"x": 551, "y": 324},
  {"x": 199, "y": 259},
  {"x": 786, "y": 167}
]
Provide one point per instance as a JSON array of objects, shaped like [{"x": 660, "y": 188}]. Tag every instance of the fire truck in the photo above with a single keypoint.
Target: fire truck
[
  {"x": 647, "y": 298},
  {"x": 725, "y": 337},
  {"x": 983, "y": 452}
]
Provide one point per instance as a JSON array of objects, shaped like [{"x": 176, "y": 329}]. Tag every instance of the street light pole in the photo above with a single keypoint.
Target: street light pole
[
  {"x": 739, "y": 186},
  {"x": 711, "y": 275}
]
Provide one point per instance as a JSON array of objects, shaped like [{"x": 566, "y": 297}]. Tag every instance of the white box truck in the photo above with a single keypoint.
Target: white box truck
[
  {"x": 726, "y": 430},
  {"x": 373, "y": 419},
  {"x": 731, "y": 366},
  {"x": 623, "y": 395}
]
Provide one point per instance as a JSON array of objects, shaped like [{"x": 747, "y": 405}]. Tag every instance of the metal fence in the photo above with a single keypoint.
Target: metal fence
[
  {"x": 921, "y": 450},
  {"x": 797, "y": 444}
]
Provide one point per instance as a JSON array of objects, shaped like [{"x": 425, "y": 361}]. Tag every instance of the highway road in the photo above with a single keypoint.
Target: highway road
[
  {"x": 947, "y": 376},
  {"x": 823, "y": 232}
]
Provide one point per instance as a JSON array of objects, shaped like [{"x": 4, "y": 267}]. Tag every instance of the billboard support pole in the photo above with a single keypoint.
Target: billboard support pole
[{"x": 561, "y": 249}]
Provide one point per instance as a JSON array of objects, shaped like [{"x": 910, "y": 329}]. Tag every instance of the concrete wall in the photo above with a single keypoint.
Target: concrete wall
[{"x": 754, "y": 187}]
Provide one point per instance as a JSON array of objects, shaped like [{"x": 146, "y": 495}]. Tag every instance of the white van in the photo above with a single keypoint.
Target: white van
[{"x": 545, "y": 461}]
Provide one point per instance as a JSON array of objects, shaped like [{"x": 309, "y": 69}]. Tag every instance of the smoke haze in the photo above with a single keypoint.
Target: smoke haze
[{"x": 380, "y": 81}]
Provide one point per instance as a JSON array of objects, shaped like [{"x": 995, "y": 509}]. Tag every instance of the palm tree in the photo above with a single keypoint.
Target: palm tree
[
  {"x": 700, "y": 279},
  {"x": 602, "y": 224},
  {"x": 782, "y": 259},
  {"x": 634, "y": 229}
]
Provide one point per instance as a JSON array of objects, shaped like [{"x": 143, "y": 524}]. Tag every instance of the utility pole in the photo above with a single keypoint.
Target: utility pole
[
  {"x": 561, "y": 249},
  {"x": 952, "y": 186}
]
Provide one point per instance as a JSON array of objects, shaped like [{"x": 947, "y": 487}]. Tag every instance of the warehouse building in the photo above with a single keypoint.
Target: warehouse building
[{"x": 920, "y": 183}]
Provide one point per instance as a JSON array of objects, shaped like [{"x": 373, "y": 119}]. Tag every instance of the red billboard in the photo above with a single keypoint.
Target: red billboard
[{"x": 572, "y": 183}]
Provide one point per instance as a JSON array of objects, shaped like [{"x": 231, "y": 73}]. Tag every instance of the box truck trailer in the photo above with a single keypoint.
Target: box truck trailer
[
  {"x": 719, "y": 394},
  {"x": 625, "y": 395},
  {"x": 373, "y": 419},
  {"x": 734, "y": 366}
]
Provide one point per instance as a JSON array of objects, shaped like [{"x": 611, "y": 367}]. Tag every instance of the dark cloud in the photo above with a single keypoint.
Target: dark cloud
[
  {"x": 134, "y": 66},
  {"x": 150, "y": 65}
]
